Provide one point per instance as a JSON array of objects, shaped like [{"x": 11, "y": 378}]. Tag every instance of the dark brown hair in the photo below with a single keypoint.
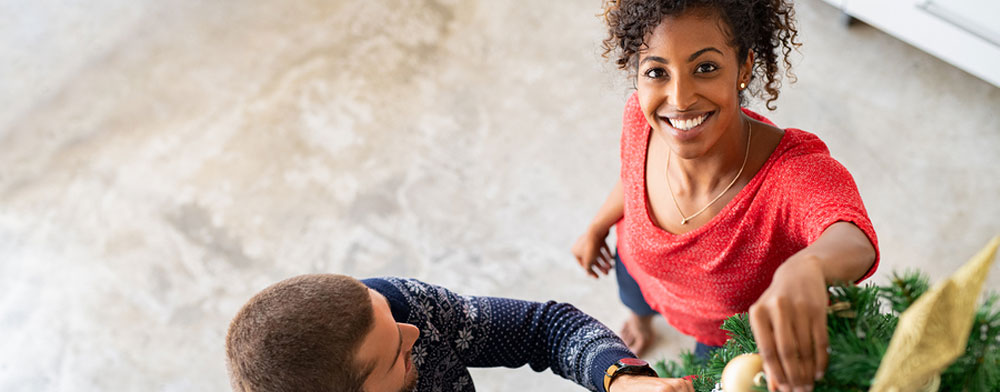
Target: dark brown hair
[
  {"x": 767, "y": 27},
  {"x": 301, "y": 334}
]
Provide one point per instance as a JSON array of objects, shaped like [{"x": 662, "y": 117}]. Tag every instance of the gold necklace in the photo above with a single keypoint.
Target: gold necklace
[{"x": 685, "y": 219}]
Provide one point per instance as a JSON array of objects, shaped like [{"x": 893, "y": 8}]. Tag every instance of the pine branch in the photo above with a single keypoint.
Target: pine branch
[
  {"x": 905, "y": 289},
  {"x": 860, "y": 330}
]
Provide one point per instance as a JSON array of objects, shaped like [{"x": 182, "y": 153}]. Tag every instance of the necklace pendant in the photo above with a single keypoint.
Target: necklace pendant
[{"x": 684, "y": 221}]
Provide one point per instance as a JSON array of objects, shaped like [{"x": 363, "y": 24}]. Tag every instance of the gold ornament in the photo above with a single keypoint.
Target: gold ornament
[
  {"x": 743, "y": 373},
  {"x": 934, "y": 331}
]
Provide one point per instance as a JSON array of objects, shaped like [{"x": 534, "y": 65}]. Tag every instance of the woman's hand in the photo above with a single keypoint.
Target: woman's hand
[
  {"x": 789, "y": 324},
  {"x": 626, "y": 383},
  {"x": 591, "y": 251}
]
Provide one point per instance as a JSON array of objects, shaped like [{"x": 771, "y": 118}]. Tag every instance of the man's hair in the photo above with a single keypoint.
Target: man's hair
[{"x": 301, "y": 334}]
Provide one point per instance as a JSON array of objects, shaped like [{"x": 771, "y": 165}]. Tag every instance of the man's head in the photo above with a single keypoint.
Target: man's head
[{"x": 319, "y": 332}]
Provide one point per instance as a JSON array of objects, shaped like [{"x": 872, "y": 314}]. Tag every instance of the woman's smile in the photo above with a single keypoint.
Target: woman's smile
[
  {"x": 687, "y": 78},
  {"x": 687, "y": 126}
]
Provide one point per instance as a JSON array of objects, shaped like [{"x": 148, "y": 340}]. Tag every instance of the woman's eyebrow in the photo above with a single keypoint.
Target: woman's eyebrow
[
  {"x": 700, "y": 52},
  {"x": 690, "y": 58},
  {"x": 655, "y": 58}
]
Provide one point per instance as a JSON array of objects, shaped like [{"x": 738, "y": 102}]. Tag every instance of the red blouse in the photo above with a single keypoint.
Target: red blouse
[{"x": 699, "y": 278}]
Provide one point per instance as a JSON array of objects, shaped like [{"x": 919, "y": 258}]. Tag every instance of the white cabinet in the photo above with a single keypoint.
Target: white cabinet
[{"x": 965, "y": 33}]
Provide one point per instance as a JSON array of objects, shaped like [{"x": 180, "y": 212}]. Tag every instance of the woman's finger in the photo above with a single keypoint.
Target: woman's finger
[
  {"x": 606, "y": 259},
  {"x": 602, "y": 262},
  {"x": 760, "y": 324},
  {"x": 821, "y": 343},
  {"x": 606, "y": 251},
  {"x": 803, "y": 327},
  {"x": 587, "y": 262},
  {"x": 787, "y": 345}
]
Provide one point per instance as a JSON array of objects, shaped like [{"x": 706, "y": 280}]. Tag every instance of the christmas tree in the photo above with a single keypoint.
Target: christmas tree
[{"x": 901, "y": 336}]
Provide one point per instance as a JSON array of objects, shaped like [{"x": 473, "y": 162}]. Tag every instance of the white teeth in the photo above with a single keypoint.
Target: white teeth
[{"x": 689, "y": 123}]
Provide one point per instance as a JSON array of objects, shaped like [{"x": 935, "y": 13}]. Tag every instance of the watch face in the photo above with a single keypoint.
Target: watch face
[{"x": 633, "y": 362}]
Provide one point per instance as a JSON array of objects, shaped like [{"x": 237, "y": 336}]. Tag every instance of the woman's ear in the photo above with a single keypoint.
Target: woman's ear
[{"x": 746, "y": 69}]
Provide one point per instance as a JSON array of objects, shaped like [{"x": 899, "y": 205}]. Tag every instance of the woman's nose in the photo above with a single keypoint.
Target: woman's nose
[{"x": 680, "y": 93}]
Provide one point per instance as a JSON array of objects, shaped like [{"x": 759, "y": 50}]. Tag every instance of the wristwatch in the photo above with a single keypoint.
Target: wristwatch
[{"x": 632, "y": 366}]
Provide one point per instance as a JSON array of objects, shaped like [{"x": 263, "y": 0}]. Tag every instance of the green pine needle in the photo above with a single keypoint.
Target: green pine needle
[{"x": 860, "y": 329}]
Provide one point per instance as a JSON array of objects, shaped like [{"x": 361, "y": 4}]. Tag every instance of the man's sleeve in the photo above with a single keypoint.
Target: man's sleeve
[{"x": 490, "y": 331}]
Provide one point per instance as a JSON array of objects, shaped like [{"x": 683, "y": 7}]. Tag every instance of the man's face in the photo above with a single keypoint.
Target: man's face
[{"x": 387, "y": 349}]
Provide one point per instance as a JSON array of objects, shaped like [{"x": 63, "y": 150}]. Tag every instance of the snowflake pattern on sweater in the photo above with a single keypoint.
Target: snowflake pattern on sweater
[{"x": 458, "y": 332}]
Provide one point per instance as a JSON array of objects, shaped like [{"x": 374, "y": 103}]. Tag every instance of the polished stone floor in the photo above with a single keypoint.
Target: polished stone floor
[{"x": 162, "y": 161}]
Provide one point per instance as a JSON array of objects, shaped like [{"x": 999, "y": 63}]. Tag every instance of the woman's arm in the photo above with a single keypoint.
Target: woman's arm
[
  {"x": 789, "y": 319},
  {"x": 590, "y": 249},
  {"x": 611, "y": 211},
  {"x": 843, "y": 252}
]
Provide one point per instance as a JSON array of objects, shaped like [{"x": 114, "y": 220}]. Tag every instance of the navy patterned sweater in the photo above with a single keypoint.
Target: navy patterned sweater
[{"x": 458, "y": 332}]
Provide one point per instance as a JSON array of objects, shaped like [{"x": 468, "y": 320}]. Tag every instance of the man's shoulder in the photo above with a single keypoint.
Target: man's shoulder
[{"x": 397, "y": 286}]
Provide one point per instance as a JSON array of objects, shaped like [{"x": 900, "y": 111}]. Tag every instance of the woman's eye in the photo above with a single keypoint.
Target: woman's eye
[
  {"x": 655, "y": 73},
  {"x": 706, "y": 68}
]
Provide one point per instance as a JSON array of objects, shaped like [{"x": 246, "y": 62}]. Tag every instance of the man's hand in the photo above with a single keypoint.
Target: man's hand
[{"x": 630, "y": 383}]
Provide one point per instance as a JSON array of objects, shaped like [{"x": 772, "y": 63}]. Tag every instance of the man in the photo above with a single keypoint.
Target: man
[{"x": 328, "y": 332}]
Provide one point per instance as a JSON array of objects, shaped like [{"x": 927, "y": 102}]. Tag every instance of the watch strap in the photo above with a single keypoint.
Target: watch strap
[{"x": 633, "y": 366}]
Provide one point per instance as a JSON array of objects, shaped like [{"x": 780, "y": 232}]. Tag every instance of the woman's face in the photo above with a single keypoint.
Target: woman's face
[{"x": 687, "y": 81}]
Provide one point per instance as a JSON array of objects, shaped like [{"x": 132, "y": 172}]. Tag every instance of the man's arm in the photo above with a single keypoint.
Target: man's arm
[
  {"x": 546, "y": 335},
  {"x": 491, "y": 331}
]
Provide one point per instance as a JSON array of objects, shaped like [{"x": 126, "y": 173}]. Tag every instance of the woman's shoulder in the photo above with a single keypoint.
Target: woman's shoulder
[
  {"x": 635, "y": 129},
  {"x": 794, "y": 140},
  {"x": 803, "y": 158},
  {"x": 797, "y": 143},
  {"x": 633, "y": 120},
  {"x": 796, "y": 147}
]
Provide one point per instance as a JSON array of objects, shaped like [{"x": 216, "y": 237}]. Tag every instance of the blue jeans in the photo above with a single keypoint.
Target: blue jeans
[
  {"x": 702, "y": 351},
  {"x": 628, "y": 290},
  {"x": 631, "y": 296}
]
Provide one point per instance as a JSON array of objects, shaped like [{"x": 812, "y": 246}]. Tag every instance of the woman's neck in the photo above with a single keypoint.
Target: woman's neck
[{"x": 714, "y": 170}]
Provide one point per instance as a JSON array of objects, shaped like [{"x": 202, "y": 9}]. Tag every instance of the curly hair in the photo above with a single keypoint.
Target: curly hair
[{"x": 767, "y": 27}]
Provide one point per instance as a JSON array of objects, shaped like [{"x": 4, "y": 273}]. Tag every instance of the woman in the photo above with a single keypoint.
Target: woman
[{"x": 719, "y": 211}]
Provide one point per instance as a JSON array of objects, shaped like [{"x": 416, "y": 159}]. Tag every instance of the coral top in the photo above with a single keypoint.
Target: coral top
[{"x": 699, "y": 278}]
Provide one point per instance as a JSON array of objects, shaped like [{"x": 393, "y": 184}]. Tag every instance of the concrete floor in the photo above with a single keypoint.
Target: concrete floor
[{"x": 162, "y": 161}]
